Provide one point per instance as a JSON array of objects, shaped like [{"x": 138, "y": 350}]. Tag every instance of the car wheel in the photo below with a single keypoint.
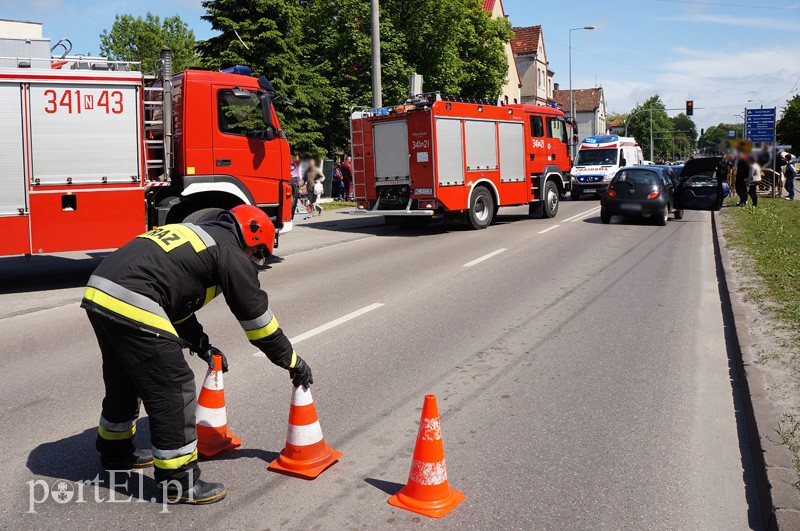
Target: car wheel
[
  {"x": 481, "y": 209},
  {"x": 605, "y": 217},
  {"x": 678, "y": 214},
  {"x": 663, "y": 216}
]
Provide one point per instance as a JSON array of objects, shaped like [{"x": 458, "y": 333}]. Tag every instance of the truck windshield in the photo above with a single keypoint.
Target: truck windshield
[
  {"x": 597, "y": 157},
  {"x": 239, "y": 115}
]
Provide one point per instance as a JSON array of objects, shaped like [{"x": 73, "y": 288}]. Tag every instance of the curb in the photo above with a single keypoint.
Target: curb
[{"x": 778, "y": 498}]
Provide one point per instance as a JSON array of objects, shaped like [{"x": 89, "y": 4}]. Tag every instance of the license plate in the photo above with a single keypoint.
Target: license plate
[
  {"x": 591, "y": 191},
  {"x": 631, "y": 207}
]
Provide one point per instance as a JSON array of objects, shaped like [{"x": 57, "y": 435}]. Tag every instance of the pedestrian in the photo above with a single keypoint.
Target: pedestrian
[
  {"x": 141, "y": 301},
  {"x": 347, "y": 177},
  {"x": 314, "y": 178},
  {"x": 790, "y": 174},
  {"x": 742, "y": 176},
  {"x": 338, "y": 183},
  {"x": 753, "y": 182}
]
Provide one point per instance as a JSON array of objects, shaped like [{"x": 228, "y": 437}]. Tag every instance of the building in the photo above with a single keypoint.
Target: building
[
  {"x": 511, "y": 91},
  {"x": 590, "y": 109},
  {"x": 531, "y": 59}
]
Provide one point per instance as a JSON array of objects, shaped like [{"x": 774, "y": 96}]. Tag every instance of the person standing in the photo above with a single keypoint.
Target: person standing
[
  {"x": 790, "y": 174},
  {"x": 314, "y": 178},
  {"x": 338, "y": 183},
  {"x": 347, "y": 177},
  {"x": 753, "y": 182},
  {"x": 141, "y": 302},
  {"x": 742, "y": 176}
]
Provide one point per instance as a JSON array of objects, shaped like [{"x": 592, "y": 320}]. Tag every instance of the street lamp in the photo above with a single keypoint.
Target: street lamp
[
  {"x": 571, "y": 102},
  {"x": 743, "y": 122}
]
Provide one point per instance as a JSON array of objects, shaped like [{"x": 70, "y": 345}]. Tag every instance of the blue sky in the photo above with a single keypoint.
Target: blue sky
[{"x": 719, "y": 53}]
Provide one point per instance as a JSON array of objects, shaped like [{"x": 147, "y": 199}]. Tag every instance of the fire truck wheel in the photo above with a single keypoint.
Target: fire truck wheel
[
  {"x": 550, "y": 200},
  {"x": 481, "y": 209},
  {"x": 204, "y": 214}
]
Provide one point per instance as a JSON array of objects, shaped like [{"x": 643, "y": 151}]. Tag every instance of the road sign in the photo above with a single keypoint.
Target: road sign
[
  {"x": 760, "y": 125},
  {"x": 731, "y": 134}
]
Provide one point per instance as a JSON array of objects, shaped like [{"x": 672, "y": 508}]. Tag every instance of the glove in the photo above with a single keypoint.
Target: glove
[
  {"x": 301, "y": 374},
  {"x": 207, "y": 355}
]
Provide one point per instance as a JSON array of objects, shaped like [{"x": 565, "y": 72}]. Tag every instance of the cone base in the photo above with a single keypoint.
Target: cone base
[
  {"x": 211, "y": 442},
  {"x": 434, "y": 509},
  {"x": 305, "y": 469}
]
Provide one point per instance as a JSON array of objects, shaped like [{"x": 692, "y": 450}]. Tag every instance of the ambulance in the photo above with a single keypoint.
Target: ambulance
[{"x": 599, "y": 158}]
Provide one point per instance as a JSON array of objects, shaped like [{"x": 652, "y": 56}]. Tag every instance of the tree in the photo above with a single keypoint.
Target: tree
[
  {"x": 267, "y": 35},
  {"x": 713, "y": 139},
  {"x": 454, "y": 44},
  {"x": 141, "y": 39},
  {"x": 639, "y": 128},
  {"x": 788, "y": 130},
  {"x": 685, "y": 124}
]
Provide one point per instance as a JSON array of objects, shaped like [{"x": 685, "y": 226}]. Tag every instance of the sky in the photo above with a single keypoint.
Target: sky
[{"x": 718, "y": 53}]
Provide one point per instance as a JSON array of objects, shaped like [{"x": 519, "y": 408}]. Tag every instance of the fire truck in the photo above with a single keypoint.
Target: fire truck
[
  {"x": 93, "y": 153},
  {"x": 455, "y": 158}
]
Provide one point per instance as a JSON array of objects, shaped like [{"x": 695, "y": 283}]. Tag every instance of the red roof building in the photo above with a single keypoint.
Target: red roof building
[
  {"x": 531, "y": 59},
  {"x": 511, "y": 91}
]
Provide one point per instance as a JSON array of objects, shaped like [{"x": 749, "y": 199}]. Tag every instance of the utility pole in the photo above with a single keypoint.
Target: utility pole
[
  {"x": 377, "y": 99},
  {"x": 651, "y": 137}
]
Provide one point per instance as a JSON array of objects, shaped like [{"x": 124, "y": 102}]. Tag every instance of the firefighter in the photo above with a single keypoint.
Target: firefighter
[{"x": 141, "y": 302}]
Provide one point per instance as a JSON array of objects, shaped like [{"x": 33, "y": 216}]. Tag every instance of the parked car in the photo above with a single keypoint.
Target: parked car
[{"x": 655, "y": 191}]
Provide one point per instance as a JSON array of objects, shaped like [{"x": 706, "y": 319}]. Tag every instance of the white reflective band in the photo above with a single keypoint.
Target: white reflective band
[
  {"x": 213, "y": 381},
  {"x": 429, "y": 429},
  {"x": 304, "y": 435},
  {"x": 301, "y": 396},
  {"x": 171, "y": 454},
  {"x": 203, "y": 235},
  {"x": 259, "y": 322},
  {"x": 424, "y": 473},
  {"x": 116, "y": 426},
  {"x": 213, "y": 418}
]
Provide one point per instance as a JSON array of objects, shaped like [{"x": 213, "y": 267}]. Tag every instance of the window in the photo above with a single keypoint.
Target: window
[
  {"x": 556, "y": 129},
  {"x": 238, "y": 115},
  {"x": 537, "y": 127}
]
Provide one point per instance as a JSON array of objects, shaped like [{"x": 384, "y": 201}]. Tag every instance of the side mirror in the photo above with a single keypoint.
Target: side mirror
[
  {"x": 623, "y": 162},
  {"x": 266, "y": 108},
  {"x": 264, "y": 83}
]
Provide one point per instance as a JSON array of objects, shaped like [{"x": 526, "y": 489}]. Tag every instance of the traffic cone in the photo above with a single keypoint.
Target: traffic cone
[
  {"x": 306, "y": 454},
  {"x": 213, "y": 434},
  {"x": 427, "y": 491}
]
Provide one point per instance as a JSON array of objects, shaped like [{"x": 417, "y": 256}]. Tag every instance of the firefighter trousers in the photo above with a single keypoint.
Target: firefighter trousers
[{"x": 139, "y": 366}]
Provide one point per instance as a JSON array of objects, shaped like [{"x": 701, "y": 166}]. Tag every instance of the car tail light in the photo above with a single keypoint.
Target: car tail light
[
  {"x": 654, "y": 194},
  {"x": 612, "y": 192},
  {"x": 428, "y": 204}
]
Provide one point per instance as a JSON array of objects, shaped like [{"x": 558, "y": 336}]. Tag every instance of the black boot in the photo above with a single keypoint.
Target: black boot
[
  {"x": 141, "y": 458},
  {"x": 202, "y": 493}
]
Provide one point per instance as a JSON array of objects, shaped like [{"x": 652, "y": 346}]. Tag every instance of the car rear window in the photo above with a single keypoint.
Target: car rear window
[{"x": 637, "y": 176}]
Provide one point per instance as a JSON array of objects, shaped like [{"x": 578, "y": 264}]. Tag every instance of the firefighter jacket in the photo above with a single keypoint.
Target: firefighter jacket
[{"x": 158, "y": 280}]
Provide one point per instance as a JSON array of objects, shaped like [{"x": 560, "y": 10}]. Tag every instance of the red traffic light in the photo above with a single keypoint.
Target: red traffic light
[{"x": 689, "y": 108}]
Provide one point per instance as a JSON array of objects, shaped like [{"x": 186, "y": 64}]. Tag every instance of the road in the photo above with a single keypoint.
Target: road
[{"x": 580, "y": 368}]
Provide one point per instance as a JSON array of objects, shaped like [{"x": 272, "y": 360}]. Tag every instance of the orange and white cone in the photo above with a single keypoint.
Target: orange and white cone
[
  {"x": 306, "y": 454},
  {"x": 427, "y": 491},
  {"x": 213, "y": 434}
]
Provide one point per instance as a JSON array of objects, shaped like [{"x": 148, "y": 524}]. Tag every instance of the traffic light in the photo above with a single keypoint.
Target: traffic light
[{"x": 689, "y": 108}]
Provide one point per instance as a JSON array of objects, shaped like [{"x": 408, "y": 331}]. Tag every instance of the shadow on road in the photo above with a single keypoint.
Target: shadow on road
[
  {"x": 243, "y": 453},
  {"x": 75, "y": 459},
  {"x": 389, "y": 487},
  {"x": 41, "y": 273}
]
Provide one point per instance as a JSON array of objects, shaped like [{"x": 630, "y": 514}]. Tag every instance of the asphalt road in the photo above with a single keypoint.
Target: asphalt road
[{"x": 580, "y": 369}]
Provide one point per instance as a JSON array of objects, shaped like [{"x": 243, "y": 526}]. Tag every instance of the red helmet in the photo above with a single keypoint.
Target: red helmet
[{"x": 257, "y": 229}]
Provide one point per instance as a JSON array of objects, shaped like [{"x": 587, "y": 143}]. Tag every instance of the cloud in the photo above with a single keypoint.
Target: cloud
[{"x": 728, "y": 20}]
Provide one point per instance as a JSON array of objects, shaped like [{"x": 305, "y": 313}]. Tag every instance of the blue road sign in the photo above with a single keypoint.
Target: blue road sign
[{"x": 760, "y": 125}]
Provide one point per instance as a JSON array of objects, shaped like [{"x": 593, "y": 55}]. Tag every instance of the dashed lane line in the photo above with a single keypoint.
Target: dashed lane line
[{"x": 484, "y": 257}]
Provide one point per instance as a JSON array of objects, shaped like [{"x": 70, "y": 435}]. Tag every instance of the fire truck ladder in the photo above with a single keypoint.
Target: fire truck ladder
[{"x": 158, "y": 123}]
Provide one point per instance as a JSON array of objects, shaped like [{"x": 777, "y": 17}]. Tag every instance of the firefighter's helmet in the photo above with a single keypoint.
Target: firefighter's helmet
[{"x": 257, "y": 229}]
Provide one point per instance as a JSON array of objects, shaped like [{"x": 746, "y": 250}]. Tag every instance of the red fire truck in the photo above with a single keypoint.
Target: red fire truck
[
  {"x": 93, "y": 153},
  {"x": 456, "y": 158}
]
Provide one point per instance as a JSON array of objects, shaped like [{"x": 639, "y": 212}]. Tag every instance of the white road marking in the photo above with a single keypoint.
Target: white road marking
[
  {"x": 548, "y": 229},
  {"x": 327, "y": 326},
  {"x": 582, "y": 214},
  {"x": 485, "y": 257},
  {"x": 585, "y": 215}
]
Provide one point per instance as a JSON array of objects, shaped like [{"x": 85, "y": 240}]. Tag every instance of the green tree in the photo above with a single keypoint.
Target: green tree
[
  {"x": 454, "y": 44},
  {"x": 639, "y": 128},
  {"x": 142, "y": 38},
  {"x": 788, "y": 131},
  {"x": 713, "y": 140},
  {"x": 267, "y": 35}
]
